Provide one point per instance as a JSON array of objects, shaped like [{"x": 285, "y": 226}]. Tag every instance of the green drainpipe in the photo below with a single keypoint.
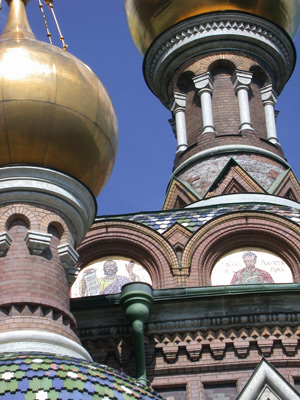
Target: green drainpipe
[{"x": 136, "y": 300}]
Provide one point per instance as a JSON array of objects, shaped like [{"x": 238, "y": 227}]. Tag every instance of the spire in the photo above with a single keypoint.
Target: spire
[{"x": 17, "y": 26}]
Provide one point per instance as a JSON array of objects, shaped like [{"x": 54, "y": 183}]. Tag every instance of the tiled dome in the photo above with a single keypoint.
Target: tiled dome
[{"x": 43, "y": 376}]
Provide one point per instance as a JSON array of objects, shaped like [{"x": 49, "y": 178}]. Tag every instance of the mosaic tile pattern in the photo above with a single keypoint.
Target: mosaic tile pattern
[
  {"x": 48, "y": 377},
  {"x": 194, "y": 218}
]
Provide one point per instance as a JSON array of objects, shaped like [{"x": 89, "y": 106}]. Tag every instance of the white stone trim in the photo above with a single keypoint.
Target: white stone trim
[
  {"x": 204, "y": 84},
  {"x": 41, "y": 341},
  {"x": 178, "y": 108},
  {"x": 269, "y": 99},
  {"x": 232, "y": 148},
  {"x": 69, "y": 258},
  {"x": 239, "y": 198},
  {"x": 37, "y": 242},
  {"x": 68, "y": 254},
  {"x": 265, "y": 376},
  {"x": 44, "y": 186},
  {"x": 5, "y": 242}
]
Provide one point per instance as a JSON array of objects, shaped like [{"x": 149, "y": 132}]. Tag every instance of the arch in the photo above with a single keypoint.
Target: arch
[
  {"x": 185, "y": 81},
  {"x": 132, "y": 240},
  {"x": 224, "y": 65},
  {"x": 260, "y": 77},
  {"x": 59, "y": 224},
  {"x": 19, "y": 212},
  {"x": 236, "y": 230}
]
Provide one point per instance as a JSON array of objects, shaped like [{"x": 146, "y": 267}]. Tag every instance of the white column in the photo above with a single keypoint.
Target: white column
[
  {"x": 241, "y": 81},
  {"x": 204, "y": 84},
  {"x": 269, "y": 99},
  {"x": 178, "y": 109}
]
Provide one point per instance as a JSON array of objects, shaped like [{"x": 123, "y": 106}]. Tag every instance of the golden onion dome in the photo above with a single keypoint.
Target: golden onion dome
[
  {"x": 54, "y": 110},
  {"x": 147, "y": 19}
]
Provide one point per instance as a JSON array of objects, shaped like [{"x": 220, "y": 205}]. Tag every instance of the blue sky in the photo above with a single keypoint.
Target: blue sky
[{"x": 96, "y": 32}]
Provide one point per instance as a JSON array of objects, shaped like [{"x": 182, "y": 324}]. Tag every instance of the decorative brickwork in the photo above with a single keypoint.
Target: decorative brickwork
[
  {"x": 133, "y": 241},
  {"x": 241, "y": 230}
]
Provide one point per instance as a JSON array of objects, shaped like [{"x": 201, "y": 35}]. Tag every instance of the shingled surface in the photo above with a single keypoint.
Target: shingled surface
[
  {"x": 194, "y": 218},
  {"x": 44, "y": 376}
]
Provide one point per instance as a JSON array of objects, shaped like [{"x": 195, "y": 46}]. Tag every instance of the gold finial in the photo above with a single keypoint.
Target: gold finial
[
  {"x": 61, "y": 37},
  {"x": 17, "y": 25}
]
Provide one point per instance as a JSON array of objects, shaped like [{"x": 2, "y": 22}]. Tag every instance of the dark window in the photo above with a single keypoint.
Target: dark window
[
  {"x": 297, "y": 384},
  {"x": 173, "y": 394},
  {"x": 225, "y": 391}
]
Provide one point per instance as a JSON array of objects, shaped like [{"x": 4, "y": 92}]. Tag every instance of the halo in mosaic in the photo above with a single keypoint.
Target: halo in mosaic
[
  {"x": 48, "y": 377},
  {"x": 194, "y": 218}
]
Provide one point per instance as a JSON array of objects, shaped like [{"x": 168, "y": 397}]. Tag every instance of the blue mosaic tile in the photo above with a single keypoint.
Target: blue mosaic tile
[
  {"x": 64, "y": 378},
  {"x": 194, "y": 218}
]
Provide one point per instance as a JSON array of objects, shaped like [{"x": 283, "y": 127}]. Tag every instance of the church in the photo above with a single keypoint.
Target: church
[{"x": 197, "y": 300}]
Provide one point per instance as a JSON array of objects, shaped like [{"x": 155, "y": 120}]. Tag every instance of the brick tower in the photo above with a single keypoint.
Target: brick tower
[{"x": 220, "y": 75}]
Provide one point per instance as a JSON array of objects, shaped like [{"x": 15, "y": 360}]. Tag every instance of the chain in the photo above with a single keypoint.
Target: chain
[
  {"x": 45, "y": 21},
  {"x": 50, "y": 5}
]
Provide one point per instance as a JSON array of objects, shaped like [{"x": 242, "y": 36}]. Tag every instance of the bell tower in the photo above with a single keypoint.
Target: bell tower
[{"x": 220, "y": 69}]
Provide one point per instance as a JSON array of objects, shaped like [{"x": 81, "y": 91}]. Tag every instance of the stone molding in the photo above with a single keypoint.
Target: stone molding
[
  {"x": 241, "y": 80},
  {"x": 41, "y": 341},
  {"x": 204, "y": 82},
  {"x": 266, "y": 381},
  {"x": 37, "y": 242},
  {"x": 69, "y": 258},
  {"x": 268, "y": 95},
  {"x": 178, "y": 102},
  {"x": 236, "y": 31},
  {"x": 50, "y": 188},
  {"x": 245, "y": 198},
  {"x": 5, "y": 242}
]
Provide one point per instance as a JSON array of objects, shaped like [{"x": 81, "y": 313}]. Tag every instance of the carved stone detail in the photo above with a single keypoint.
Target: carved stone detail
[
  {"x": 69, "y": 257},
  {"x": 5, "y": 242},
  {"x": 37, "y": 242}
]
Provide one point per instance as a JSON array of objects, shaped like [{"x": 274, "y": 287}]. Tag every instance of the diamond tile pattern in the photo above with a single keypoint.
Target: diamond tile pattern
[
  {"x": 48, "y": 377},
  {"x": 194, "y": 218}
]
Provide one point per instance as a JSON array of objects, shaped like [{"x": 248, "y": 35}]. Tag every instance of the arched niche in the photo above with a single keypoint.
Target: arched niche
[
  {"x": 250, "y": 265},
  {"x": 227, "y": 233},
  {"x": 108, "y": 275},
  {"x": 134, "y": 241}
]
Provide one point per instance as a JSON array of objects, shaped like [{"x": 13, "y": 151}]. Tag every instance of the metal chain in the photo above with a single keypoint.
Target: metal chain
[
  {"x": 45, "y": 21},
  {"x": 50, "y": 5}
]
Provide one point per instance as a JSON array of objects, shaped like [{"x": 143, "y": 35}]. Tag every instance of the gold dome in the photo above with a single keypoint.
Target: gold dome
[
  {"x": 147, "y": 19},
  {"x": 54, "y": 110}
]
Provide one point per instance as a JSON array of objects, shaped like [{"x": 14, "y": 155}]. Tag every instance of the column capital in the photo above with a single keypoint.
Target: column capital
[
  {"x": 204, "y": 82},
  {"x": 241, "y": 79},
  {"x": 268, "y": 95},
  {"x": 178, "y": 102}
]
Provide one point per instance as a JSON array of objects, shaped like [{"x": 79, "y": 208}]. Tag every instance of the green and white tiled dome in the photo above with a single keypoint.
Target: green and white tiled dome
[{"x": 44, "y": 376}]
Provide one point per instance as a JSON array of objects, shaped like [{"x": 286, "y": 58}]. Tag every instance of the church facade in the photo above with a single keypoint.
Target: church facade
[
  {"x": 194, "y": 301},
  {"x": 223, "y": 254}
]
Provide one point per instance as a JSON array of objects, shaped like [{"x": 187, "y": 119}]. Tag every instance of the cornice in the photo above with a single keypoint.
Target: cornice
[{"x": 213, "y": 32}]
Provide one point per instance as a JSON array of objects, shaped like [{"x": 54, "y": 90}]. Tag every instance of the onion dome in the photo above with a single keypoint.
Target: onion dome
[
  {"x": 147, "y": 19},
  {"x": 45, "y": 376},
  {"x": 54, "y": 112}
]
